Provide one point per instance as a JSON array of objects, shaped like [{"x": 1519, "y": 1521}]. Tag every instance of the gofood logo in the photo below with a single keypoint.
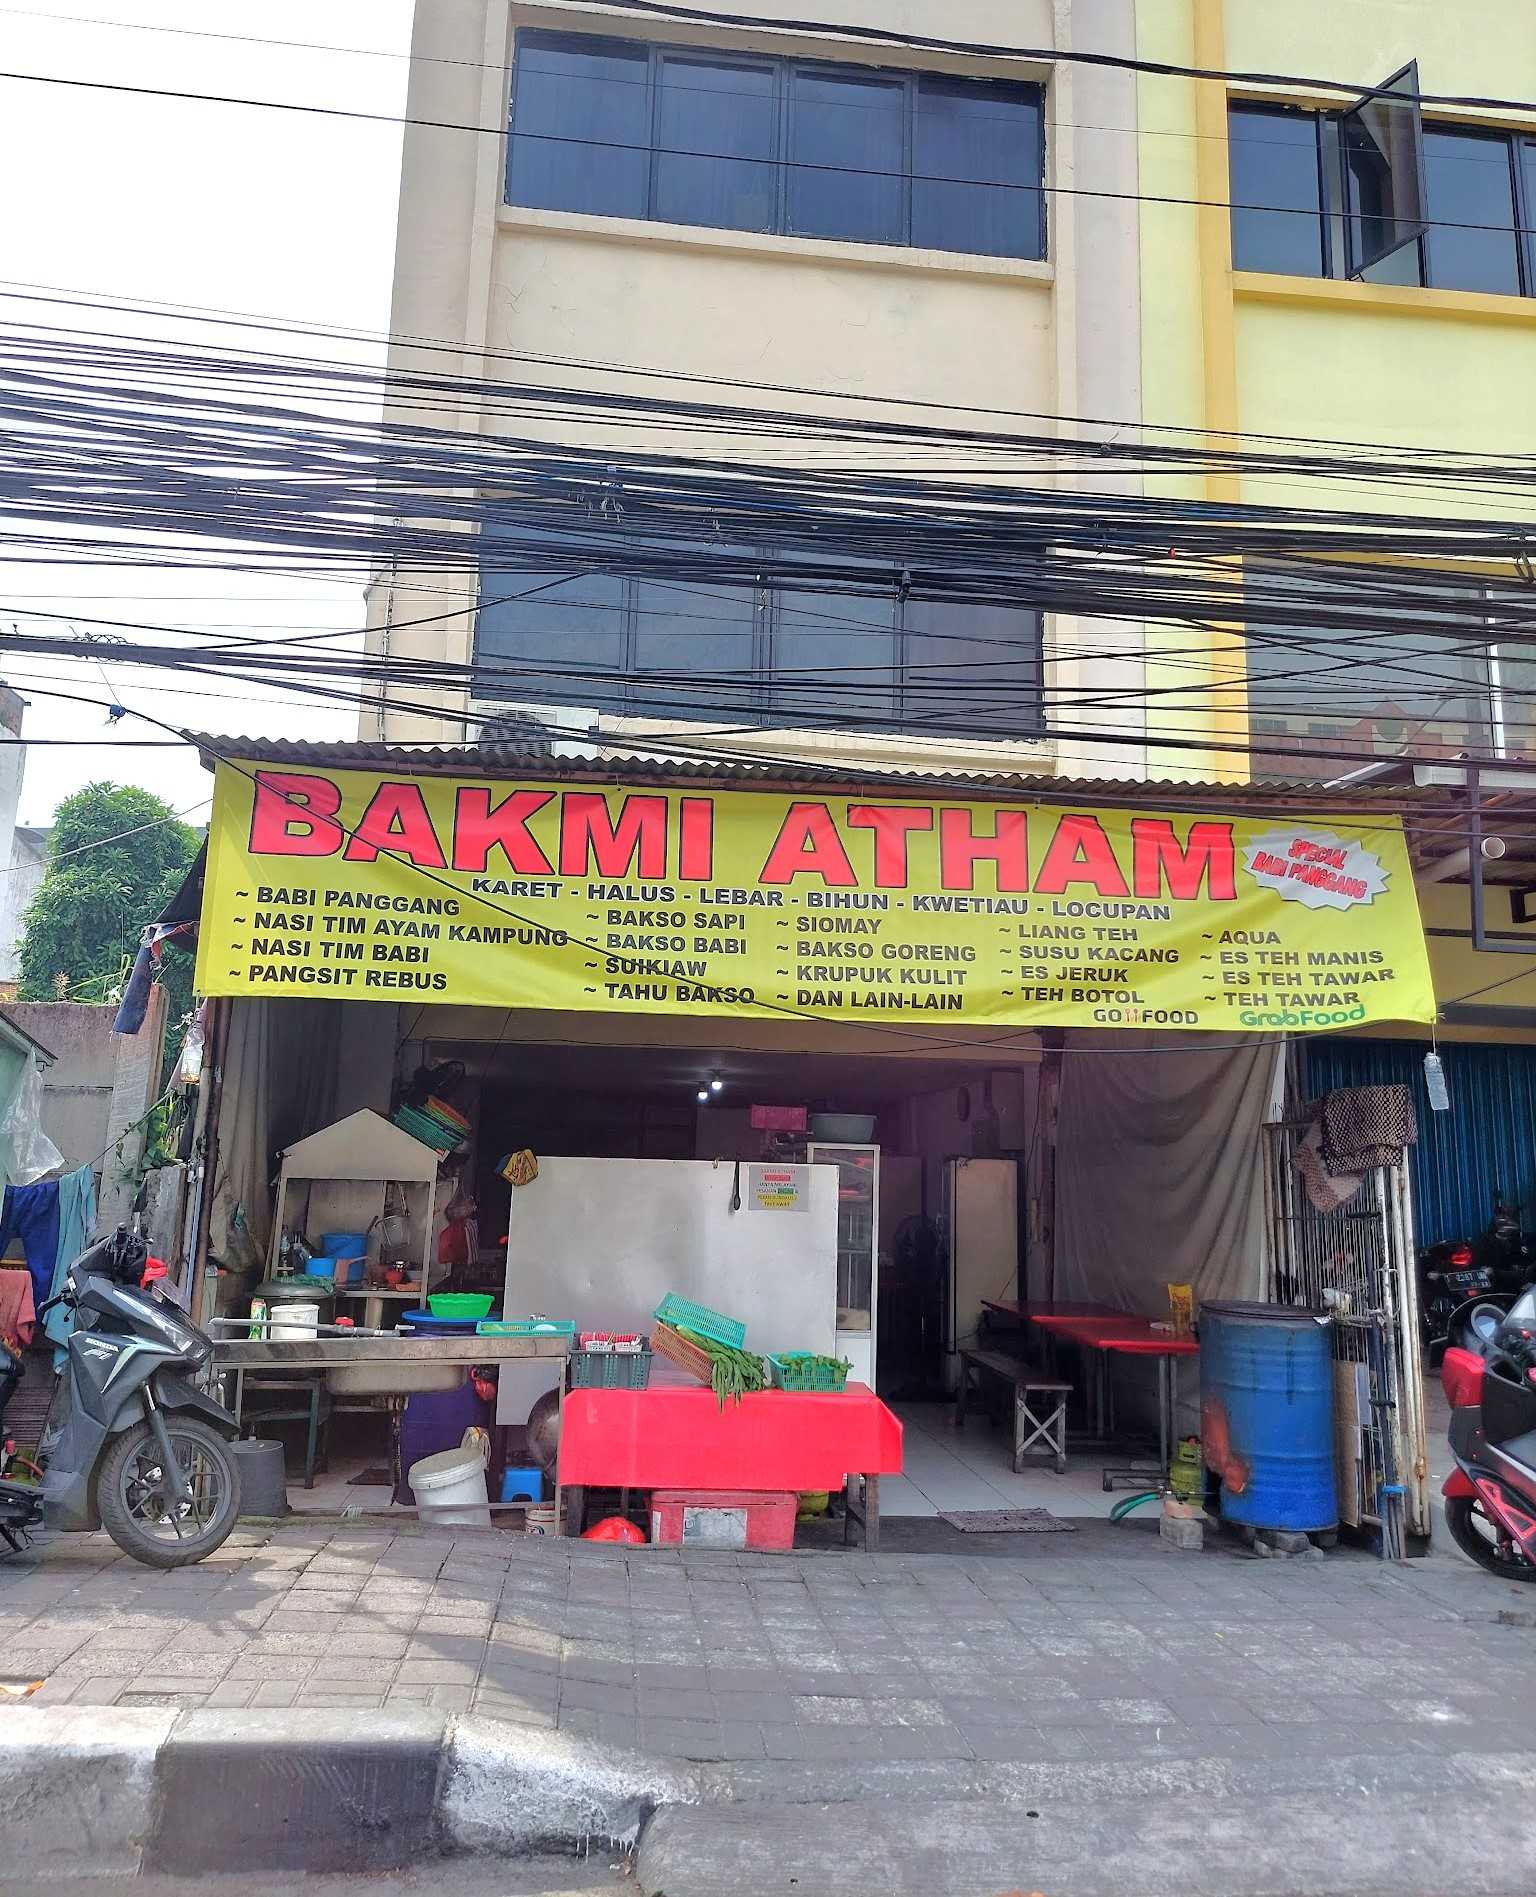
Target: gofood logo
[{"x": 1316, "y": 868}]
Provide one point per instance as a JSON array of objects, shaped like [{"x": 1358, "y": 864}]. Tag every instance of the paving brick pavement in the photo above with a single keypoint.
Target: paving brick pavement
[{"x": 811, "y": 1663}]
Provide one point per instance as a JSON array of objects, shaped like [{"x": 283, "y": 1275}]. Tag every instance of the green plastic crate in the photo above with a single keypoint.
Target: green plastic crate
[
  {"x": 799, "y": 1370},
  {"x": 610, "y": 1369},
  {"x": 684, "y": 1315},
  {"x": 526, "y": 1327}
]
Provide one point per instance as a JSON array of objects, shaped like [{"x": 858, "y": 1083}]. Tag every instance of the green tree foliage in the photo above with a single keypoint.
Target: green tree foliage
[{"x": 83, "y": 925}]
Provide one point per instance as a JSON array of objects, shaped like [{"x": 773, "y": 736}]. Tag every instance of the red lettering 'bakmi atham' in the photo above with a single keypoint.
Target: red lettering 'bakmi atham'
[
  {"x": 291, "y": 815},
  {"x": 1208, "y": 857},
  {"x": 808, "y": 845},
  {"x": 396, "y": 823},
  {"x": 961, "y": 849},
  {"x": 1080, "y": 853},
  {"x": 479, "y": 826},
  {"x": 632, "y": 844},
  {"x": 892, "y": 824}
]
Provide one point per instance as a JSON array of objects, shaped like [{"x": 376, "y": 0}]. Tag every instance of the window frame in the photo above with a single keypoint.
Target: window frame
[
  {"x": 1335, "y": 214},
  {"x": 784, "y": 70},
  {"x": 757, "y": 701},
  {"x": 1484, "y": 691}
]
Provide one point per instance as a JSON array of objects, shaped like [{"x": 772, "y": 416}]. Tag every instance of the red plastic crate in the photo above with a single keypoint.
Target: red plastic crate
[{"x": 724, "y": 1518}]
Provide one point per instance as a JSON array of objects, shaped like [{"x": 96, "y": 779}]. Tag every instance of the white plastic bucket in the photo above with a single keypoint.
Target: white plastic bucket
[
  {"x": 294, "y": 1320},
  {"x": 450, "y": 1487}
]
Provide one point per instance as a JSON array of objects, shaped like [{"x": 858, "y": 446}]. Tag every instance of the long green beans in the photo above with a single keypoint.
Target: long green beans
[{"x": 732, "y": 1372}]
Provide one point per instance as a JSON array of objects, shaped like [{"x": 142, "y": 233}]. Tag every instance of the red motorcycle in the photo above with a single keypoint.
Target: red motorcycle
[{"x": 1488, "y": 1373}]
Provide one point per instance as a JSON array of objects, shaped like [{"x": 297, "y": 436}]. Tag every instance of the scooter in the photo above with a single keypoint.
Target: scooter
[
  {"x": 1489, "y": 1376},
  {"x": 131, "y": 1444}
]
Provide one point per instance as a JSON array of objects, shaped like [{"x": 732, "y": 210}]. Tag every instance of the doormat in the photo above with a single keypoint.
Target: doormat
[
  {"x": 370, "y": 1479},
  {"x": 1007, "y": 1521}
]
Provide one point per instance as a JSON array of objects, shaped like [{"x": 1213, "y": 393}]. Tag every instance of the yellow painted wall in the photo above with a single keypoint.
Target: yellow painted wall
[{"x": 1225, "y": 351}]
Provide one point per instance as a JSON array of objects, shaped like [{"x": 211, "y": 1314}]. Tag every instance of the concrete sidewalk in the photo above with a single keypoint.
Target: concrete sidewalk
[
  {"x": 1074, "y": 1651},
  {"x": 1094, "y": 1714}
]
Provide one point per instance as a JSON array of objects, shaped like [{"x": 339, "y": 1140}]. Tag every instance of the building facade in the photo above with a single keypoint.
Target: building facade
[
  {"x": 1316, "y": 265},
  {"x": 843, "y": 226}
]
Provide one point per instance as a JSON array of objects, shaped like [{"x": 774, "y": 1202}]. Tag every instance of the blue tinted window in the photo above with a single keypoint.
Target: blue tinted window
[
  {"x": 1469, "y": 184},
  {"x": 546, "y": 634},
  {"x": 847, "y": 155},
  {"x": 978, "y": 160},
  {"x": 716, "y": 144},
  {"x": 836, "y": 655},
  {"x": 795, "y": 146},
  {"x": 971, "y": 668},
  {"x": 713, "y": 640},
  {"x": 695, "y": 641},
  {"x": 1277, "y": 206},
  {"x": 581, "y": 127}
]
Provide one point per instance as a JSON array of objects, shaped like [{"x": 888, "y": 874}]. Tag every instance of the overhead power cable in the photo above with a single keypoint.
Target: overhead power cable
[{"x": 846, "y": 399}]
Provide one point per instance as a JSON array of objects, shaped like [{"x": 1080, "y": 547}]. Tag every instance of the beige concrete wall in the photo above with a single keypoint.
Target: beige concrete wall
[
  {"x": 1051, "y": 342},
  {"x": 77, "y": 1087}
]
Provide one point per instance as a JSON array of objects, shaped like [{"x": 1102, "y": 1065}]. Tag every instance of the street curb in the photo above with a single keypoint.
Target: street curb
[{"x": 119, "y": 1790}]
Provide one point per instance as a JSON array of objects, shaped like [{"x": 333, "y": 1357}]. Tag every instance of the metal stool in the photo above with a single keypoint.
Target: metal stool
[{"x": 316, "y": 1412}]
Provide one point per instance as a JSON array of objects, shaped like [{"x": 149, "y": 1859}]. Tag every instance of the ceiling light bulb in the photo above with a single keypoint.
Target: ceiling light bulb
[
  {"x": 716, "y": 1083},
  {"x": 703, "y": 1093}
]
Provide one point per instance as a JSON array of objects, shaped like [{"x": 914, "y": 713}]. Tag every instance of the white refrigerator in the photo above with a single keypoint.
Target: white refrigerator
[{"x": 858, "y": 1249}]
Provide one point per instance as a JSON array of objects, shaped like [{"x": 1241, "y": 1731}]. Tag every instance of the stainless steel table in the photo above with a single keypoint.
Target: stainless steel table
[{"x": 233, "y": 1357}]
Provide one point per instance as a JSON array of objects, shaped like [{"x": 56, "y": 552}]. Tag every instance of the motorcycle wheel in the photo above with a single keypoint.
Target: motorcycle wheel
[
  {"x": 129, "y": 1494},
  {"x": 1481, "y": 1540}
]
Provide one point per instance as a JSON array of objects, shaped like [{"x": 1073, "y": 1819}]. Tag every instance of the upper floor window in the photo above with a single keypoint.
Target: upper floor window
[
  {"x": 1312, "y": 196},
  {"x": 1385, "y": 662},
  {"x": 798, "y": 147},
  {"x": 711, "y": 635}
]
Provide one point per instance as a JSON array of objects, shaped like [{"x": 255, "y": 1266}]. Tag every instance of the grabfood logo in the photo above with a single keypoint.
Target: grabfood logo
[{"x": 1316, "y": 868}]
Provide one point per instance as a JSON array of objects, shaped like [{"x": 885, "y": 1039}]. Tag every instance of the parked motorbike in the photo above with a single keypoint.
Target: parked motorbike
[
  {"x": 1489, "y": 1376},
  {"x": 130, "y": 1445},
  {"x": 1500, "y": 1262}
]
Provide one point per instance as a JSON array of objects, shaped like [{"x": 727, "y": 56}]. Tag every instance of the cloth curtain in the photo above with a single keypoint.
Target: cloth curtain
[
  {"x": 1159, "y": 1169},
  {"x": 279, "y": 1081}
]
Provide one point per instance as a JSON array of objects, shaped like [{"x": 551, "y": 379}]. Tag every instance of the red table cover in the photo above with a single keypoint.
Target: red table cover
[
  {"x": 678, "y": 1437},
  {"x": 1133, "y": 1336}
]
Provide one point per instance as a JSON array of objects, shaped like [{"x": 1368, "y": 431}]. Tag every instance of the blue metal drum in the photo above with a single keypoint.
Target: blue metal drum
[{"x": 1266, "y": 1414}]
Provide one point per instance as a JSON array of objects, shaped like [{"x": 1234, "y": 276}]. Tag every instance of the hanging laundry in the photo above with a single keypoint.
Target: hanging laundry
[
  {"x": 31, "y": 1213},
  {"x": 18, "y": 1312},
  {"x": 77, "y": 1222}
]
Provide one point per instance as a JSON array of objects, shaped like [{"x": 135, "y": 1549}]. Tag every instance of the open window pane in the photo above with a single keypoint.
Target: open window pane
[
  {"x": 847, "y": 155},
  {"x": 977, "y": 166},
  {"x": 1277, "y": 209},
  {"x": 1384, "y": 169},
  {"x": 1469, "y": 184},
  {"x": 970, "y": 668},
  {"x": 694, "y": 642},
  {"x": 834, "y": 658},
  {"x": 581, "y": 127},
  {"x": 717, "y": 144}
]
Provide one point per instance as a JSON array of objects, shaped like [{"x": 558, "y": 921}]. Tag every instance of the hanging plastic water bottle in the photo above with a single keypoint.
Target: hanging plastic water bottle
[{"x": 1434, "y": 1082}]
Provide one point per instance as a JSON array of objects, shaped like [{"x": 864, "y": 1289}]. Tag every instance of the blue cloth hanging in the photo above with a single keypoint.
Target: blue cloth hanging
[
  {"x": 77, "y": 1221},
  {"x": 31, "y": 1213}
]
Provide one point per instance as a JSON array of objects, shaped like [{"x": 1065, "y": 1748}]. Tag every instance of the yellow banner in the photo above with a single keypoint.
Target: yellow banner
[{"x": 372, "y": 887}]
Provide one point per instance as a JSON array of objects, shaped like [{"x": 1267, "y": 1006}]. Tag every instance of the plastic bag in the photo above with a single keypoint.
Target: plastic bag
[{"x": 30, "y": 1154}]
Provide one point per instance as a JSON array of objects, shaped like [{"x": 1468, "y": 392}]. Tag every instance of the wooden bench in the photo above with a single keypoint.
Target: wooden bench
[{"x": 1029, "y": 1387}]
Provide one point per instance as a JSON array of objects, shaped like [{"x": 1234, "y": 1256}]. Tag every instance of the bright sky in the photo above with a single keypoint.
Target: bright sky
[{"x": 223, "y": 207}]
